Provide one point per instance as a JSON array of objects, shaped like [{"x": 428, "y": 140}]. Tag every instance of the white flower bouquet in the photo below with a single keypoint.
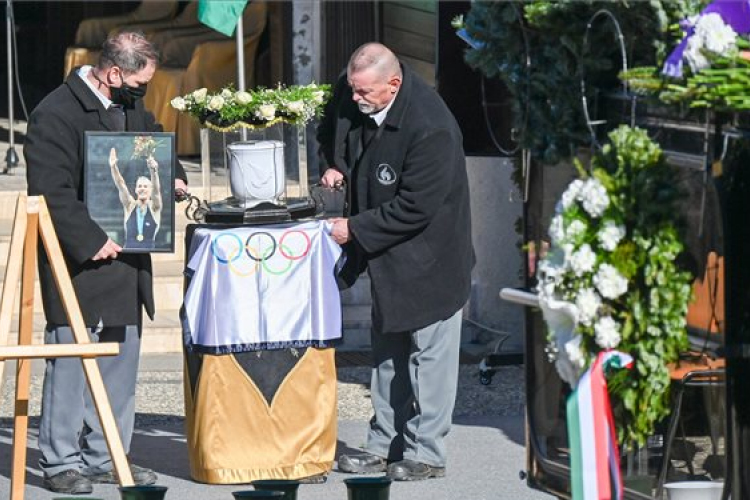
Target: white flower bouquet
[
  {"x": 715, "y": 47},
  {"x": 229, "y": 109},
  {"x": 611, "y": 281}
]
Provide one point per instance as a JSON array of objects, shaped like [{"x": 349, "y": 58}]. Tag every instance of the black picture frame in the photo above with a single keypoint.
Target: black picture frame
[{"x": 105, "y": 197}]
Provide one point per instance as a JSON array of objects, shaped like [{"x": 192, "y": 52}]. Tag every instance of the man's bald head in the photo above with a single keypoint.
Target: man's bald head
[
  {"x": 376, "y": 57},
  {"x": 374, "y": 74}
]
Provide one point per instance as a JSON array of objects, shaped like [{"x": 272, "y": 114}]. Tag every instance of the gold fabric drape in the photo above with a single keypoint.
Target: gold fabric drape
[{"x": 235, "y": 436}]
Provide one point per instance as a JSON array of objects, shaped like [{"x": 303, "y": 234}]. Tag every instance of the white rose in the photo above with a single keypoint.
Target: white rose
[
  {"x": 243, "y": 97},
  {"x": 318, "y": 96},
  {"x": 179, "y": 104},
  {"x": 611, "y": 235},
  {"x": 226, "y": 93},
  {"x": 215, "y": 103},
  {"x": 295, "y": 106},
  {"x": 593, "y": 196},
  {"x": 583, "y": 260},
  {"x": 610, "y": 283},
  {"x": 607, "y": 333},
  {"x": 266, "y": 111},
  {"x": 200, "y": 95},
  {"x": 587, "y": 302}
]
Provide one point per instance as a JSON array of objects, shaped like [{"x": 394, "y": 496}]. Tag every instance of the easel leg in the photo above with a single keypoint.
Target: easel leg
[
  {"x": 91, "y": 369},
  {"x": 12, "y": 275},
  {"x": 23, "y": 372}
]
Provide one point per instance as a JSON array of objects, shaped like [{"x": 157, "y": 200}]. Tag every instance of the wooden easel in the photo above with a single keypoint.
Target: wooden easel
[{"x": 32, "y": 220}]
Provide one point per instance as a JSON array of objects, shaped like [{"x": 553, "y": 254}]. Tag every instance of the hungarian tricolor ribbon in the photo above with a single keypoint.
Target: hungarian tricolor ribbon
[{"x": 594, "y": 455}]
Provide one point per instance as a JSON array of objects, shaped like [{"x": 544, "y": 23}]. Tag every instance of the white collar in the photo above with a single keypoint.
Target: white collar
[
  {"x": 379, "y": 117},
  {"x": 83, "y": 72}
]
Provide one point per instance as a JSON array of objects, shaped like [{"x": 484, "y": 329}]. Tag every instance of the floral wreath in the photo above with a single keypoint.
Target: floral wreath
[
  {"x": 229, "y": 109},
  {"x": 610, "y": 280}
]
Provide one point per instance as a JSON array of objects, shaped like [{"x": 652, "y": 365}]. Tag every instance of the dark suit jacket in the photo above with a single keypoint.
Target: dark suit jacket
[
  {"x": 410, "y": 218},
  {"x": 113, "y": 290}
]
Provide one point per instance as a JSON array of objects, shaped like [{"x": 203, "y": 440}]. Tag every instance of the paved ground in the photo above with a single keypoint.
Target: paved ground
[{"x": 486, "y": 445}]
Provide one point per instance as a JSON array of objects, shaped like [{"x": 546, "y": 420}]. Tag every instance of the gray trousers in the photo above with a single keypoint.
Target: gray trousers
[
  {"x": 70, "y": 434},
  {"x": 414, "y": 391}
]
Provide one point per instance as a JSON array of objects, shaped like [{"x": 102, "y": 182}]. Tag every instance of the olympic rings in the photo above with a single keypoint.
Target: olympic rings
[{"x": 261, "y": 252}]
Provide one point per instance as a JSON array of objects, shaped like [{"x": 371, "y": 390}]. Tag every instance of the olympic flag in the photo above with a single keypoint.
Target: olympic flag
[{"x": 221, "y": 15}]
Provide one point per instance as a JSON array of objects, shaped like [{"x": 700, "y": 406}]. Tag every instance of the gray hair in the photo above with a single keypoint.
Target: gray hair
[
  {"x": 374, "y": 56},
  {"x": 129, "y": 50}
]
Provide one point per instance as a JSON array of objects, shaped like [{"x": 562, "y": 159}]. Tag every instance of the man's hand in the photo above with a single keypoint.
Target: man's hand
[
  {"x": 332, "y": 178},
  {"x": 112, "y": 157},
  {"x": 108, "y": 251},
  {"x": 180, "y": 189},
  {"x": 340, "y": 230}
]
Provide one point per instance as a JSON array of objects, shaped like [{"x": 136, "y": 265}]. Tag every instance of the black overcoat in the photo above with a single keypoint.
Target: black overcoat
[
  {"x": 110, "y": 291},
  {"x": 410, "y": 217}
]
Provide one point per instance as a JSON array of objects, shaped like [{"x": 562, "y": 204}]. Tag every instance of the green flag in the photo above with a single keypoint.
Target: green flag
[{"x": 221, "y": 15}]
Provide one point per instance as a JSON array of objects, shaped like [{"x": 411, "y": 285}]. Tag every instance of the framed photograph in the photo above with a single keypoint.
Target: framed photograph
[{"x": 129, "y": 188}]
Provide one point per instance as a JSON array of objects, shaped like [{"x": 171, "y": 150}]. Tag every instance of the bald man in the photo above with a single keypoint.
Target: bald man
[{"x": 391, "y": 140}]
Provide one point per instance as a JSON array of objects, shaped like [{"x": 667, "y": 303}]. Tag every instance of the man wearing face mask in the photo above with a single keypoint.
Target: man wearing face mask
[{"x": 112, "y": 288}]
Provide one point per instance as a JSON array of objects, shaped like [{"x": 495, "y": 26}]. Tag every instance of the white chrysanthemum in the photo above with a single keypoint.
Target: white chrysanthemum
[
  {"x": 610, "y": 235},
  {"x": 593, "y": 196},
  {"x": 717, "y": 36},
  {"x": 557, "y": 229},
  {"x": 295, "y": 106},
  {"x": 243, "y": 97},
  {"x": 178, "y": 103},
  {"x": 226, "y": 93},
  {"x": 215, "y": 103},
  {"x": 200, "y": 95},
  {"x": 610, "y": 283},
  {"x": 587, "y": 302},
  {"x": 575, "y": 229},
  {"x": 571, "y": 193},
  {"x": 583, "y": 260},
  {"x": 607, "y": 333},
  {"x": 267, "y": 111}
]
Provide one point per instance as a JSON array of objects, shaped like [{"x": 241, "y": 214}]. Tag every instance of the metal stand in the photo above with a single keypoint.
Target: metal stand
[{"x": 11, "y": 157}]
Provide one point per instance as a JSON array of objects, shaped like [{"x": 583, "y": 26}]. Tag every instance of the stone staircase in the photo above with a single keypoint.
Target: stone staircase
[{"x": 163, "y": 334}]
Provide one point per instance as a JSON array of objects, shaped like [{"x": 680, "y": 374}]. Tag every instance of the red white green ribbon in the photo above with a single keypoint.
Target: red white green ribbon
[{"x": 594, "y": 456}]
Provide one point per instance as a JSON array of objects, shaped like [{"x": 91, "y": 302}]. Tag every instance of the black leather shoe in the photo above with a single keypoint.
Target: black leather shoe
[
  {"x": 362, "y": 463},
  {"x": 141, "y": 476},
  {"x": 409, "y": 470},
  {"x": 69, "y": 482}
]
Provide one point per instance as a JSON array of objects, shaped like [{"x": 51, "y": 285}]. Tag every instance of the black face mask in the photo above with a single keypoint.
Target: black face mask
[{"x": 126, "y": 95}]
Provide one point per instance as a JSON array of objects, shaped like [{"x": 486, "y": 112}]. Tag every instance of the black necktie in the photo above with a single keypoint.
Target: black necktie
[
  {"x": 118, "y": 117},
  {"x": 369, "y": 129}
]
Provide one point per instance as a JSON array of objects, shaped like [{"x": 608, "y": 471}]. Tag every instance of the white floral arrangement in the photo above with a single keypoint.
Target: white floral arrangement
[
  {"x": 715, "y": 47},
  {"x": 611, "y": 281},
  {"x": 229, "y": 109}
]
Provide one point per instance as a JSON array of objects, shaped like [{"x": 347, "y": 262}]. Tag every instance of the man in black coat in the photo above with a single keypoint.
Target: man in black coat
[
  {"x": 112, "y": 288},
  {"x": 390, "y": 138}
]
